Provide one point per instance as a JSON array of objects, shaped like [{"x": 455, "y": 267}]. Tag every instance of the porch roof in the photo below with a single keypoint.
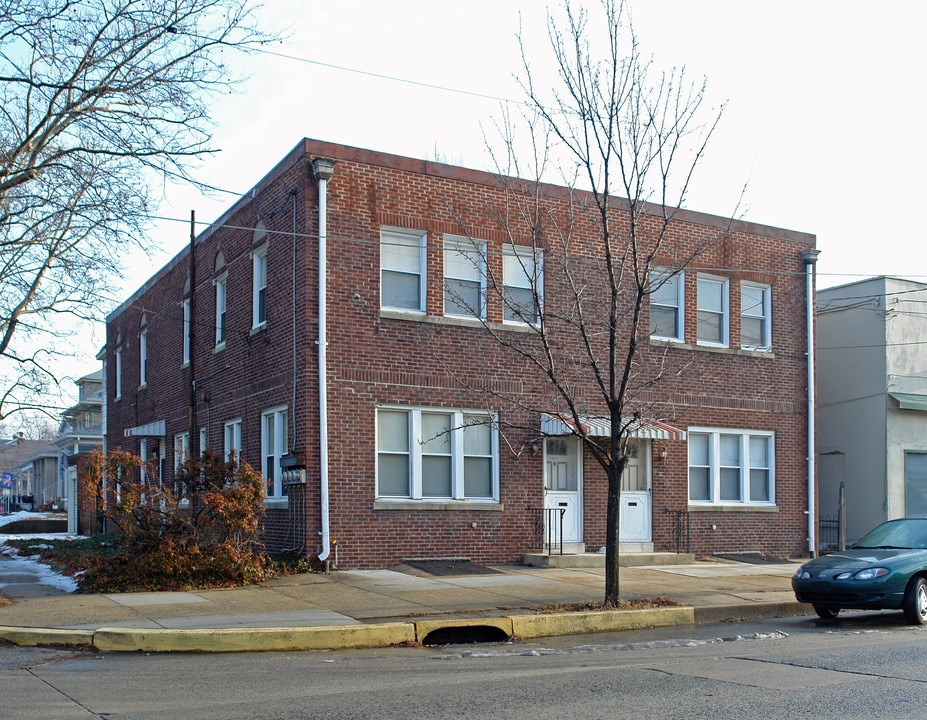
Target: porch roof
[
  {"x": 158, "y": 428},
  {"x": 597, "y": 426}
]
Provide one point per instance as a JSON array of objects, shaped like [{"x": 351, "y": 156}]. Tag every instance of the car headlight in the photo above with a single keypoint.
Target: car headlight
[
  {"x": 867, "y": 574},
  {"x": 801, "y": 574}
]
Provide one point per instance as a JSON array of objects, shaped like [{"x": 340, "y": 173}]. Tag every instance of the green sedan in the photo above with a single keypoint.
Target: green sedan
[{"x": 886, "y": 570}]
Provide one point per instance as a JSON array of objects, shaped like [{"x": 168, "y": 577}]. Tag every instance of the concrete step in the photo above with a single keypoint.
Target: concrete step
[{"x": 597, "y": 560}]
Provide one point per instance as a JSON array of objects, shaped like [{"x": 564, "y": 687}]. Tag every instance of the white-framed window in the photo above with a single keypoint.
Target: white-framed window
[
  {"x": 755, "y": 313},
  {"x": 402, "y": 269},
  {"x": 731, "y": 467},
  {"x": 259, "y": 287},
  {"x": 523, "y": 280},
  {"x": 233, "y": 440},
  {"x": 437, "y": 454},
  {"x": 143, "y": 358},
  {"x": 186, "y": 331},
  {"x": 143, "y": 454},
  {"x": 203, "y": 446},
  {"x": 181, "y": 449},
  {"x": 667, "y": 305},
  {"x": 221, "y": 284},
  {"x": 464, "y": 277},
  {"x": 273, "y": 447},
  {"x": 712, "y": 311},
  {"x": 117, "y": 361}
]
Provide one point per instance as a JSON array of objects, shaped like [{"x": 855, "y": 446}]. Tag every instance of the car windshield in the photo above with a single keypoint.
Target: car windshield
[{"x": 907, "y": 533}]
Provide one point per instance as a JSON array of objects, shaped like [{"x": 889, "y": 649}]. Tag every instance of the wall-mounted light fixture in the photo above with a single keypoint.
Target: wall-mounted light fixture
[{"x": 660, "y": 453}]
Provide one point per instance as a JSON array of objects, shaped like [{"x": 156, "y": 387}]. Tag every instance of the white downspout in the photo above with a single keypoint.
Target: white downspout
[
  {"x": 323, "y": 170},
  {"x": 810, "y": 257}
]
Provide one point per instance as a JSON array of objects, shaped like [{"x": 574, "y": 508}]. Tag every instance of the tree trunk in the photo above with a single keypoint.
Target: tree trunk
[{"x": 611, "y": 540}]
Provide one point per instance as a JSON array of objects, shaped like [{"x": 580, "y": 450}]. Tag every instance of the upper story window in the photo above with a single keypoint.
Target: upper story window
[
  {"x": 259, "y": 287},
  {"x": 143, "y": 355},
  {"x": 667, "y": 306},
  {"x": 464, "y": 277},
  {"x": 186, "y": 331},
  {"x": 117, "y": 370},
  {"x": 221, "y": 284},
  {"x": 522, "y": 276},
  {"x": 755, "y": 302},
  {"x": 712, "y": 311},
  {"x": 731, "y": 467},
  {"x": 273, "y": 448},
  {"x": 436, "y": 454},
  {"x": 402, "y": 269}
]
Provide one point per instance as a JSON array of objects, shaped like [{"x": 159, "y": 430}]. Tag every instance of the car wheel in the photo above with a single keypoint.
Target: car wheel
[
  {"x": 915, "y": 602},
  {"x": 828, "y": 613}
]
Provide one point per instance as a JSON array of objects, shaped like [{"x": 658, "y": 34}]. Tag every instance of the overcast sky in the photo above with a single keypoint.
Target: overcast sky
[{"x": 823, "y": 120}]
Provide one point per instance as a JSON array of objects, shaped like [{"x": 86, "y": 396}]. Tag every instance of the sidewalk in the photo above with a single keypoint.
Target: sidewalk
[{"x": 355, "y": 608}]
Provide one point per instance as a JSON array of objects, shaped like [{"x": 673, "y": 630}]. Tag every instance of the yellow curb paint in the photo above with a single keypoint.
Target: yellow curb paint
[
  {"x": 45, "y": 636},
  {"x": 254, "y": 639},
  {"x": 535, "y": 626}
]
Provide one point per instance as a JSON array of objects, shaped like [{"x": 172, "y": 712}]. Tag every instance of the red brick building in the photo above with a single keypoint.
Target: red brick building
[{"x": 421, "y": 436}]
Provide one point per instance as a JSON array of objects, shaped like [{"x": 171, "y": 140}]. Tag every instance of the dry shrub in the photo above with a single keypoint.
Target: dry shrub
[{"x": 202, "y": 531}]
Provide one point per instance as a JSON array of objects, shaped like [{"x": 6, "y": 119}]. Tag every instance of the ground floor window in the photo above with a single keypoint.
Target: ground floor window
[
  {"x": 425, "y": 454},
  {"x": 915, "y": 483},
  {"x": 273, "y": 447},
  {"x": 731, "y": 467}
]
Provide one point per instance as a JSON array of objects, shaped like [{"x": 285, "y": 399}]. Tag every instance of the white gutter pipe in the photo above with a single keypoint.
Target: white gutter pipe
[
  {"x": 810, "y": 258},
  {"x": 323, "y": 170}
]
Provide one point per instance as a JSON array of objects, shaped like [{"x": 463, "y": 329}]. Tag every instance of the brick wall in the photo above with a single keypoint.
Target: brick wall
[{"x": 429, "y": 361}]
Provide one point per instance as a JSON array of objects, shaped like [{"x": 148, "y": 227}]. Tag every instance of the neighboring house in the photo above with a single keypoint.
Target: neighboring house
[
  {"x": 34, "y": 466},
  {"x": 80, "y": 432},
  {"x": 872, "y": 400},
  {"x": 360, "y": 404}
]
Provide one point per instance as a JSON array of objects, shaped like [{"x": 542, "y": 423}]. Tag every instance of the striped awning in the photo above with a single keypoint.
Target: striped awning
[
  {"x": 158, "y": 428},
  {"x": 601, "y": 427}
]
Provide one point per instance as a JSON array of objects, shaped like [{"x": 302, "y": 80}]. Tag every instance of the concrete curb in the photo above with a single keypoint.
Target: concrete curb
[
  {"x": 743, "y": 613},
  {"x": 536, "y": 626},
  {"x": 254, "y": 639},
  {"x": 45, "y": 636},
  {"x": 343, "y": 637}
]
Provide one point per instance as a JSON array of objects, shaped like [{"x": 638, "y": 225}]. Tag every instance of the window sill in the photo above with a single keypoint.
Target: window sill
[
  {"x": 439, "y": 505},
  {"x": 219, "y": 348},
  {"x": 454, "y": 321},
  {"x": 258, "y": 328},
  {"x": 743, "y": 352},
  {"x": 276, "y": 503},
  {"x": 734, "y": 508}
]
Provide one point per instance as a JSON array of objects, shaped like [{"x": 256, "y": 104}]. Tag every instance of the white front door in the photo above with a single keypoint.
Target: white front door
[
  {"x": 563, "y": 503},
  {"x": 635, "y": 518}
]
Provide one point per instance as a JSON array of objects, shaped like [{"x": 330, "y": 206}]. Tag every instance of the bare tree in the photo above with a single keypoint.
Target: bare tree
[
  {"x": 101, "y": 101},
  {"x": 626, "y": 141}
]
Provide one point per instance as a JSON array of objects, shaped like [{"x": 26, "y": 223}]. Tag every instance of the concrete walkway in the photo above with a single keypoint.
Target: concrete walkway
[{"x": 355, "y": 608}]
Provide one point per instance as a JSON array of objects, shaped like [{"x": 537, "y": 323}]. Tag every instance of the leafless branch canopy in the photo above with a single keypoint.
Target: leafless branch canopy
[{"x": 101, "y": 101}]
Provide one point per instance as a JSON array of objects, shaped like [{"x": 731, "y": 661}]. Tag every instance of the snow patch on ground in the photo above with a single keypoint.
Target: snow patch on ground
[{"x": 14, "y": 564}]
